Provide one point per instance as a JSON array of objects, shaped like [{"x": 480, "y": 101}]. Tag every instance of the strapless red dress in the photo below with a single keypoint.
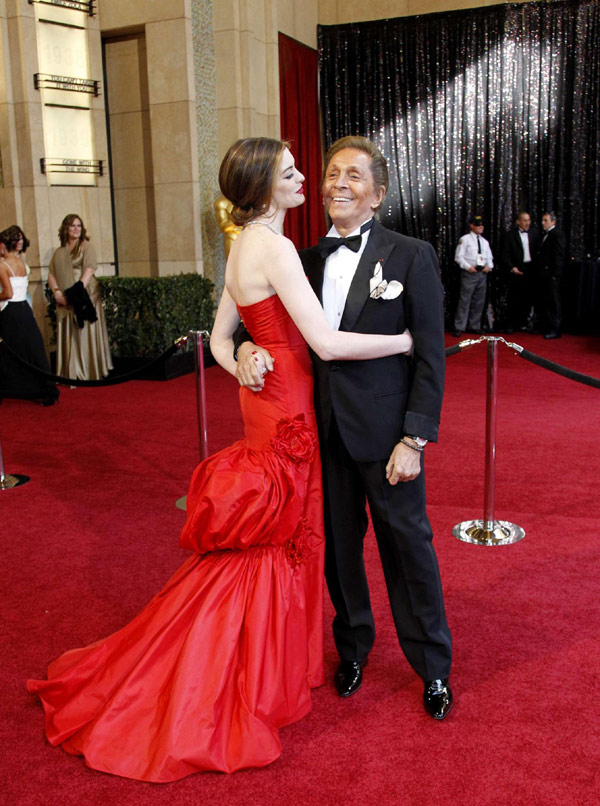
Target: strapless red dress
[{"x": 227, "y": 652}]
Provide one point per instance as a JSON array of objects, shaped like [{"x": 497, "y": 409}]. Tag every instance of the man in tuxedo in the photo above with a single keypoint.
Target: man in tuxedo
[
  {"x": 517, "y": 258},
  {"x": 375, "y": 418},
  {"x": 551, "y": 257}
]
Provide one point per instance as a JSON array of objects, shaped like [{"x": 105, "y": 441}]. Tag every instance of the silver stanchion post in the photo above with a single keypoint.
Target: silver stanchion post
[
  {"x": 201, "y": 391},
  {"x": 10, "y": 480},
  {"x": 489, "y": 532},
  {"x": 198, "y": 342}
]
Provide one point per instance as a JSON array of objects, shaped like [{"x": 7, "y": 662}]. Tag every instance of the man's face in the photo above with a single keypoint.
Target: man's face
[
  {"x": 348, "y": 189},
  {"x": 547, "y": 222},
  {"x": 477, "y": 229},
  {"x": 524, "y": 222}
]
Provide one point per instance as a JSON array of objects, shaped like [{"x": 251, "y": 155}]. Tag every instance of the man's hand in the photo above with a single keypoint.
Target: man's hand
[
  {"x": 514, "y": 270},
  {"x": 404, "y": 464},
  {"x": 472, "y": 269},
  {"x": 253, "y": 363},
  {"x": 486, "y": 269}
]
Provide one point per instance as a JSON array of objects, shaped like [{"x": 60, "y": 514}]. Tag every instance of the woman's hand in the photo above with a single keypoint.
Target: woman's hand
[
  {"x": 407, "y": 343},
  {"x": 60, "y": 298},
  {"x": 253, "y": 363}
]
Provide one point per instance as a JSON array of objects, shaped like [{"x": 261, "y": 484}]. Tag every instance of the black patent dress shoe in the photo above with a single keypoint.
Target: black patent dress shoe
[
  {"x": 554, "y": 334},
  {"x": 457, "y": 333},
  {"x": 437, "y": 698},
  {"x": 348, "y": 678}
]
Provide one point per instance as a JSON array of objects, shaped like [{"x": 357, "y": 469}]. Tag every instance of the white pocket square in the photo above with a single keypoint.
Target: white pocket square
[
  {"x": 381, "y": 288},
  {"x": 393, "y": 289}
]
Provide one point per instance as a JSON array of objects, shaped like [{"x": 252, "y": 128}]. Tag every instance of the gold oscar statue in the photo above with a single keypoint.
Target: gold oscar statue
[{"x": 223, "y": 208}]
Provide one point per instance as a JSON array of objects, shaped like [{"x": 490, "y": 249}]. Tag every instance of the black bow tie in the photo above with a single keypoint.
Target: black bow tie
[{"x": 328, "y": 245}]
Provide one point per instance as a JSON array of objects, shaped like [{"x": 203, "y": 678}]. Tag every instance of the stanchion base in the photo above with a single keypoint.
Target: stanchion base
[
  {"x": 12, "y": 480},
  {"x": 488, "y": 533},
  {"x": 181, "y": 503}
]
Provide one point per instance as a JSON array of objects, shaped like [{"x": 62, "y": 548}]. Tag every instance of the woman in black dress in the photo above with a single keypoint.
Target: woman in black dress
[{"x": 18, "y": 329}]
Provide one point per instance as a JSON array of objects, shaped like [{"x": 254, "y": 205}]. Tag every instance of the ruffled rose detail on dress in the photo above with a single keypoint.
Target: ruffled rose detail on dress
[
  {"x": 294, "y": 439},
  {"x": 302, "y": 545},
  {"x": 242, "y": 497}
]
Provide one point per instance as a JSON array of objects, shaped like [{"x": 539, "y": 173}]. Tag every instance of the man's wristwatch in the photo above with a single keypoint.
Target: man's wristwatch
[{"x": 419, "y": 443}]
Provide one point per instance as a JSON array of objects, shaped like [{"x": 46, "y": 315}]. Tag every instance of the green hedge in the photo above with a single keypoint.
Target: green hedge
[{"x": 144, "y": 315}]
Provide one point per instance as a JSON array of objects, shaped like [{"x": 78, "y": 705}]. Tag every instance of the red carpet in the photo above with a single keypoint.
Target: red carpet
[{"x": 94, "y": 535}]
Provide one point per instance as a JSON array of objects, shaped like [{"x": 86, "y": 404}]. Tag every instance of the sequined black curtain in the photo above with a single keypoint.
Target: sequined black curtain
[{"x": 479, "y": 112}]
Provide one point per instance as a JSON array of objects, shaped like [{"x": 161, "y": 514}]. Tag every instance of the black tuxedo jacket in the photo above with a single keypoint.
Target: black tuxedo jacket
[
  {"x": 377, "y": 401},
  {"x": 552, "y": 253},
  {"x": 512, "y": 249}
]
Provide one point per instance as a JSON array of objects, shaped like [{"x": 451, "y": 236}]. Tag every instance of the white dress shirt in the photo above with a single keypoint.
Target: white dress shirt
[
  {"x": 340, "y": 268},
  {"x": 467, "y": 252},
  {"x": 525, "y": 242}
]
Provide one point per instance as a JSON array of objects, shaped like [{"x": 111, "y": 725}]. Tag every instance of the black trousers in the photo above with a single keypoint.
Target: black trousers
[
  {"x": 551, "y": 303},
  {"x": 521, "y": 291},
  {"x": 404, "y": 538}
]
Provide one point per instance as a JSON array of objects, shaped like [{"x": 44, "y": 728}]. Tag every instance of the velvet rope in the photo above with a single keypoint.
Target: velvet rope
[
  {"x": 128, "y": 376},
  {"x": 545, "y": 363},
  {"x": 588, "y": 380}
]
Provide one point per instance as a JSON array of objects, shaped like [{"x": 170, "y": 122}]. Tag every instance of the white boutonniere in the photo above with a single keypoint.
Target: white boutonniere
[{"x": 379, "y": 287}]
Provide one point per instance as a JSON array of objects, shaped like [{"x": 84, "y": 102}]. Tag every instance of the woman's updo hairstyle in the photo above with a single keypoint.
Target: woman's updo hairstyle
[{"x": 247, "y": 176}]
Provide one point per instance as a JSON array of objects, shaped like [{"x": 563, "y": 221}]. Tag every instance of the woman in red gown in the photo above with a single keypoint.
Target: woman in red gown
[{"x": 227, "y": 652}]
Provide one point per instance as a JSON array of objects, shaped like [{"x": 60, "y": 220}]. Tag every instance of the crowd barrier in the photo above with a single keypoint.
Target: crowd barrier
[{"x": 486, "y": 531}]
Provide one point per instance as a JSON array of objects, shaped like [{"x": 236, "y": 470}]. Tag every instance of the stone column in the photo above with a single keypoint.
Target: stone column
[{"x": 26, "y": 198}]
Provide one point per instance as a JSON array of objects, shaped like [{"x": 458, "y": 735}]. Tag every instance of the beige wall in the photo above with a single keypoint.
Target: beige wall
[
  {"x": 25, "y": 197},
  {"x": 131, "y": 153},
  {"x": 152, "y": 104},
  {"x": 338, "y": 12},
  {"x": 247, "y": 62}
]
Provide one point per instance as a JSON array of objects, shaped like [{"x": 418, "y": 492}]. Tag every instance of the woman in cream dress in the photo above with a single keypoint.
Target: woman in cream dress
[{"x": 82, "y": 352}]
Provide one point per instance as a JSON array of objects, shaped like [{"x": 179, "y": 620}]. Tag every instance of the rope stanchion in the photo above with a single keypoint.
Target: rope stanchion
[
  {"x": 489, "y": 532},
  {"x": 197, "y": 337},
  {"x": 201, "y": 390},
  {"x": 10, "y": 480},
  {"x": 110, "y": 381},
  {"x": 539, "y": 360}
]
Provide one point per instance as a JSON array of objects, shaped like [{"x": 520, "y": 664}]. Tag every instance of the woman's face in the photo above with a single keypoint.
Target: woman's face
[
  {"x": 19, "y": 244},
  {"x": 288, "y": 191},
  {"x": 74, "y": 229}
]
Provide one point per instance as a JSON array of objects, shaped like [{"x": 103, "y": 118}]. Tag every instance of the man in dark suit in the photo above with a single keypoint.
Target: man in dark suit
[
  {"x": 375, "y": 418},
  {"x": 551, "y": 257},
  {"x": 517, "y": 259}
]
